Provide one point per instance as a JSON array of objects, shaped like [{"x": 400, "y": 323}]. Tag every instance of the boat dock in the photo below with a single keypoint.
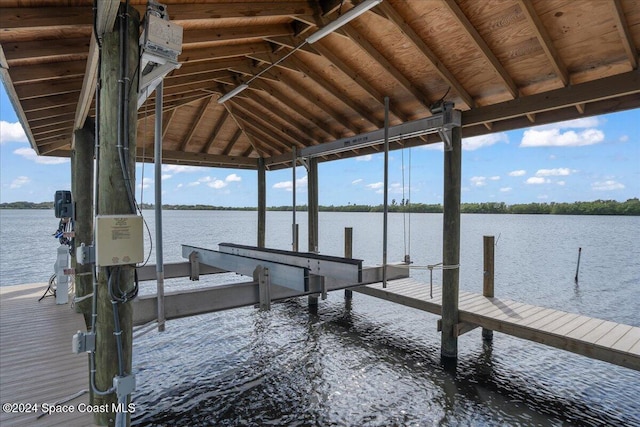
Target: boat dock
[
  {"x": 36, "y": 361},
  {"x": 595, "y": 338}
]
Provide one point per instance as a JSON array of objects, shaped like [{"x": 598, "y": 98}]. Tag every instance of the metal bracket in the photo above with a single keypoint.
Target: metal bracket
[
  {"x": 261, "y": 275},
  {"x": 194, "y": 264}
]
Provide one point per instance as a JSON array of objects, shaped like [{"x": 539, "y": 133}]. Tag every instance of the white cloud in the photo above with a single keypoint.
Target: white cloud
[
  {"x": 624, "y": 138},
  {"x": 11, "y": 132},
  {"x": 233, "y": 178},
  {"x": 478, "y": 181},
  {"x": 146, "y": 183},
  {"x": 365, "y": 158},
  {"x": 494, "y": 178},
  {"x": 301, "y": 183},
  {"x": 543, "y": 197},
  {"x": 179, "y": 185},
  {"x": 561, "y": 182},
  {"x": 473, "y": 143},
  {"x": 193, "y": 184},
  {"x": 29, "y": 154},
  {"x": 356, "y": 181},
  {"x": 217, "y": 184},
  {"x": 19, "y": 182},
  {"x": 376, "y": 185},
  {"x": 537, "y": 180},
  {"x": 520, "y": 172},
  {"x": 166, "y": 176},
  {"x": 554, "y": 172},
  {"x": 608, "y": 185},
  {"x": 555, "y": 138},
  {"x": 506, "y": 189}
]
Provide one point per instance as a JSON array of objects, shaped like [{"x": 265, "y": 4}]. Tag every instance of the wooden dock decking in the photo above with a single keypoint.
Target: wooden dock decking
[
  {"x": 36, "y": 362},
  {"x": 596, "y": 338}
]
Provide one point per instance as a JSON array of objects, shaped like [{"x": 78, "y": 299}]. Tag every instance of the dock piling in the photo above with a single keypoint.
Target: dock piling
[
  {"x": 348, "y": 253},
  {"x": 451, "y": 245},
  {"x": 488, "y": 277}
]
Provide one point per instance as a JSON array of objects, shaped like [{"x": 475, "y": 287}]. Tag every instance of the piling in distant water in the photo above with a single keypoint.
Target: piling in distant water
[{"x": 578, "y": 266}]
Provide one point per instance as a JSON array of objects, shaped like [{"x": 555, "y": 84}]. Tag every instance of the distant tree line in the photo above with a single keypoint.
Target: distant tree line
[{"x": 596, "y": 207}]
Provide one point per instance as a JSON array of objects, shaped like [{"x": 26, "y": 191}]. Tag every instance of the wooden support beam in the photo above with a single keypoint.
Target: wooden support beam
[
  {"x": 277, "y": 94},
  {"x": 82, "y": 157},
  {"x": 265, "y": 135},
  {"x": 284, "y": 121},
  {"x": 216, "y": 129},
  {"x": 616, "y": 86},
  {"x": 105, "y": 18},
  {"x": 200, "y": 159},
  {"x": 204, "y": 105},
  {"x": 625, "y": 34},
  {"x": 166, "y": 121},
  {"x": 483, "y": 47},
  {"x": 358, "y": 79},
  {"x": 451, "y": 245},
  {"x": 114, "y": 200},
  {"x": 232, "y": 142},
  {"x": 304, "y": 93},
  {"x": 247, "y": 113},
  {"x": 488, "y": 276},
  {"x": 241, "y": 126},
  {"x": 545, "y": 40},
  {"x": 335, "y": 91},
  {"x": 235, "y": 34},
  {"x": 417, "y": 41}
]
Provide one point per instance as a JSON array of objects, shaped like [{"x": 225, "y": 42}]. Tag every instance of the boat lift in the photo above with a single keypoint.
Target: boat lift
[{"x": 277, "y": 275}]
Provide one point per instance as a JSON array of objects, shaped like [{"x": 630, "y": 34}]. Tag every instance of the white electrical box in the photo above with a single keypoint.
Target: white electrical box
[{"x": 119, "y": 240}]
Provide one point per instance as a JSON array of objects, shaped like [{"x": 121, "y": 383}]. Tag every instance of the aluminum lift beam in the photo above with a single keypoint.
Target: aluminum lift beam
[
  {"x": 345, "y": 269},
  {"x": 288, "y": 276}
]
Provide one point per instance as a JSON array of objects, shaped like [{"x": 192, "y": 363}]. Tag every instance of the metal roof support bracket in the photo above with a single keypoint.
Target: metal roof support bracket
[{"x": 443, "y": 120}]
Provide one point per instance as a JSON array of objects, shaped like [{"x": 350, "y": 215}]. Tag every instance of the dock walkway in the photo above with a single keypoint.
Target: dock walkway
[
  {"x": 595, "y": 338},
  {"x": 36, "y": 362}
]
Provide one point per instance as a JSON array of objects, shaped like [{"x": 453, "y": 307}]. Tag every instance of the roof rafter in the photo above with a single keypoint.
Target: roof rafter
[
  {"x": 483, "y": 47},
  {"x": 299, "y": 65},
  {"x": 232, "y": 142},
  {"x": 216, "y": 129},
  {"x": 304, "y": 93},
  {"x": 545, "y": 40},
  {"x": 368, "y": 48},
  {"x": 417, "y": 41},
  {"x": 248, "y": 115},
  {"x": 196, "y": 122},
  {"x": 625, "y": 34}
]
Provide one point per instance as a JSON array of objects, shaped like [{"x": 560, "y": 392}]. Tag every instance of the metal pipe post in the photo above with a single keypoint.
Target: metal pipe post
[
  {"x": 385, "y": 215},
  {"x": 158, "y": 206}
]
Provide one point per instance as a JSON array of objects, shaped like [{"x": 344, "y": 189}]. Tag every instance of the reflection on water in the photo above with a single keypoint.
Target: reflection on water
[
  {"x": 371, "y": 365},
  {"x": 370, "y": 362}
]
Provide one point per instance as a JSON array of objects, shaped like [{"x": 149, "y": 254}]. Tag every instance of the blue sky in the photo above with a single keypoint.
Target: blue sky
[{"x": 582, "y": 160}]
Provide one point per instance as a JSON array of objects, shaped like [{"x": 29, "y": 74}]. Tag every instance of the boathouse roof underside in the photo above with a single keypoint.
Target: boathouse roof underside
[{"x": 506, "y": 64}]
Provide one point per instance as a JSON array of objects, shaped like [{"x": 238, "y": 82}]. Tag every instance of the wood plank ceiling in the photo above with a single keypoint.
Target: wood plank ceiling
[{"x": 505, "y": 63}]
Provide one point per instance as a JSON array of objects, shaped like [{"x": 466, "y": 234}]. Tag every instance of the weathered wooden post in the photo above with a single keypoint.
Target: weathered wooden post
[
  {"x": 451, "y": 245},
  {"x": 115, "y": 199},
  {"x": 488, "y": 277},
  {"x": 262, "y": 203},
  {"x": 82, "y": 194},
  {"x": 348, "y": 253}
]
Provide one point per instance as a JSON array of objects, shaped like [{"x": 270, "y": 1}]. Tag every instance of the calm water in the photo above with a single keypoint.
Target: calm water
[{"x": 375, "y": 363}]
